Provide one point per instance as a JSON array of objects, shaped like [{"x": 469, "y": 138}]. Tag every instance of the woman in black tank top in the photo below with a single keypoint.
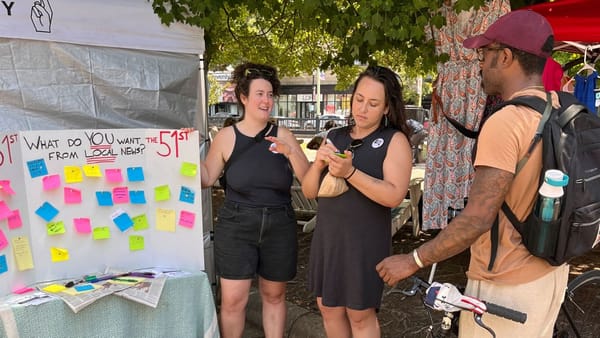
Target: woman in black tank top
[
  {"x": 255, "y": 232},
  {"x": 353, "y": 230}
]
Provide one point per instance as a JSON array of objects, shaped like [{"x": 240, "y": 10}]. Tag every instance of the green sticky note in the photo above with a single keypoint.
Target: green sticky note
[
  {"x": 101, "y": 233},
  {"x": 140, "y": 222},
  {"x": 189, "y": 169},
  {"x": 162, "y": 193},
  {"x": 136, "y": 243},
  {"x": 55, "y": 228}
]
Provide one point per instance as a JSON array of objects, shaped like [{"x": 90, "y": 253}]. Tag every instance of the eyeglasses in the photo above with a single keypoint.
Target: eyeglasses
[
  {"x": 354, "y": 144},
  {"x": 258, "y": 72},
  {"x": 481, "y": 52}
]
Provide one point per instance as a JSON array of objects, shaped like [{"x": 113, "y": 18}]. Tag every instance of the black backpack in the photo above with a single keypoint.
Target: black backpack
[{"x": 570, "y": 138}]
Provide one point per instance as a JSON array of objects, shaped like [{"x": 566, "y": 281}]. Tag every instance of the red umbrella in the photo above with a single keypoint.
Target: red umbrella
[{"x": 572, "y": 20}]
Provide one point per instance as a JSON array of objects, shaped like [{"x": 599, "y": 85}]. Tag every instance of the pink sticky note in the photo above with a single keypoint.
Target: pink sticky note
[
  {"x": 120, "y": 195},
  {"x": 187, "y": 219},
  {"x": 113, "y": 175},
  {"x": 5, "y": 187},
  {"x": 3, "y": 240},
  {"x": 72, "y": 196},
  {"x": 14, "y": 220},
  {"x": 5, "y": 211},
  {"x": 22, "y": 290},
  {"x": 51, "y": 182},
  {"x": 82, "y": 225}
]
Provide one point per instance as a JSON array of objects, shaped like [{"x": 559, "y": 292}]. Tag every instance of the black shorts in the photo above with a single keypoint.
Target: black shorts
[{"x": 256, "y": 240}]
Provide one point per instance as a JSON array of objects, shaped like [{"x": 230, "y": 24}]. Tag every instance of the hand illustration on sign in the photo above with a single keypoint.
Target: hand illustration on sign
[{"x": 41, "y": 16}]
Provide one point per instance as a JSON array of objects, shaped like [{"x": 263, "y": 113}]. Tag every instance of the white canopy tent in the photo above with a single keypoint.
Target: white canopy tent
[{"x": 86, "y": 64}]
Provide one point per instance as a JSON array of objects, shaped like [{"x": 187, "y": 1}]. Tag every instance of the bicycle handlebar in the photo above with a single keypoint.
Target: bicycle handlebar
[
  {"x": 446, "y": 297},
  {"x": 504, "y": 312}
]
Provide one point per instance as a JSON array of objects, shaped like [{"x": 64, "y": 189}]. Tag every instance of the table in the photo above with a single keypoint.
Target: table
[{"x": 186, "y": 309}]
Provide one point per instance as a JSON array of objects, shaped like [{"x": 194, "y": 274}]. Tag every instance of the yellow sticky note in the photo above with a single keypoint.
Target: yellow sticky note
[
  {"x": 54, "y": 288},
  {"x": 73, "y": 174},
  {"x": 81, "y": 288},
  {"x": 140, "y": 222},
  {"x": 22, "y": 252},
  {"x": 55, "y": 228},
  {"x": 162, "y": 193},
  {"x": 165, "y": 220},
  {"x": 101, "y": 233},
  {"x": 92, "y": 170},
  {"x": 136, "y": 243},
  {"x": 59, "y": 254},
  {"x": 189, "y": 169}
]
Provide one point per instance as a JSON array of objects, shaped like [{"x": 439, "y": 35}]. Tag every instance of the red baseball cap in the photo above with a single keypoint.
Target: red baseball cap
[{"x": 525, "y": 30}]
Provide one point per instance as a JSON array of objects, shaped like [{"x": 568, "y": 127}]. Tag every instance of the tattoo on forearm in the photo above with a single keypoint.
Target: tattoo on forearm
[{"x": 485, "y": 199}]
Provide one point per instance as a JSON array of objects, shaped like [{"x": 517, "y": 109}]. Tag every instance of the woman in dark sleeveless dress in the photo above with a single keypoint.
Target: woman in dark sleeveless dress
[
  {"x": 255, "y": 232},
  {"x": 353, "y": 230}
]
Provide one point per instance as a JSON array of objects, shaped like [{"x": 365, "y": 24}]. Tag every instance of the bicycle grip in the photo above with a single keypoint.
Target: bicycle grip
[{"x": 505, "y": 312}]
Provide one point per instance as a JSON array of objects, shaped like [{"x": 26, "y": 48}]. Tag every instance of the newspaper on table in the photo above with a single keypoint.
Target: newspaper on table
[
  {"x": 79, "y": 301},
  {"x": 142, "y": 290},
  {"x": 148, "y": 291},
  {"x": 145, "y": 292}
]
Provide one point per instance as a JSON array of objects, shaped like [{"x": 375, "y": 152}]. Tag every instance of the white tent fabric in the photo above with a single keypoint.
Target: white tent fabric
[
  {"x": 128, "y": 24},
  {"x": 87, "y": 64}
]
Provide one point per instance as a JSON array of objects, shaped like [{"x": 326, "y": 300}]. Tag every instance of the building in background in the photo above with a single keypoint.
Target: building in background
[{"x": 298, "y": 97}]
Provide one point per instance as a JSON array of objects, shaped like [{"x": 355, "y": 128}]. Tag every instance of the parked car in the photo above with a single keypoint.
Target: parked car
[
  {"x": 288, "y": 122},
  {"x": 311, "y": 124}
]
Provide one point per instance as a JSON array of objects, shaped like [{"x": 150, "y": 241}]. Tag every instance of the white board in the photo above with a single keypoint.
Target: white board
[{"x": 60, "y": 180}]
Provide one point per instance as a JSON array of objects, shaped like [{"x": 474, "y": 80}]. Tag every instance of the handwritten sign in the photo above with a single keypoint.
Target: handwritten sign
[{"x": 88, "y": 199}]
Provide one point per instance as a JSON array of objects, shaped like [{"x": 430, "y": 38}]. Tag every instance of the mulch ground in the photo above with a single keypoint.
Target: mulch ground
[{"x": 400, "y": 315}]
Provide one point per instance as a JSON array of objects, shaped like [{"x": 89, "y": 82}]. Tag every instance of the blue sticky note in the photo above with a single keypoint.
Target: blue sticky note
[
  {"x": 123, "y": 222},
  {"x": 187, "y": 195},
  {"x": 135, "y": 174},
  {"x": 137, "y": 197},
  {"x": 104, "y": 198},
  {"x": 37, "y": 168},
  {"x": 83, "y": 287},
  {"x": 47, "y": 211},
  {"x": 3, "y": 265}
]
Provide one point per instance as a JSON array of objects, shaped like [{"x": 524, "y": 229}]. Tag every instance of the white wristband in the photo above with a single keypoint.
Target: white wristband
[{"x": 417, "y": 259}]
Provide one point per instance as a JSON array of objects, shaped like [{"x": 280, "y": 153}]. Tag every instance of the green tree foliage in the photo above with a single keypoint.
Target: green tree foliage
[{"x": 300, "y": 36}]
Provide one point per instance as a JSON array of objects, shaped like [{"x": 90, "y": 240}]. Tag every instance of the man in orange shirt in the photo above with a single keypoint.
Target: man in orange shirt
[{"x": 512, "y": 53}]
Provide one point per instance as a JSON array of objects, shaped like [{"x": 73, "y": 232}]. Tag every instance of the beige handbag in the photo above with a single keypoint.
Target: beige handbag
[{"x": 332, "y": 186}]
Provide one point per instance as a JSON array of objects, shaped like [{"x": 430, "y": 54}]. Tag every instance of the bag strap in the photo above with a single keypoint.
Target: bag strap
[
  {"x": 538, "y": 105},
  {"x": 235, "y": 155},
  {"x": 462, "y": 129}
]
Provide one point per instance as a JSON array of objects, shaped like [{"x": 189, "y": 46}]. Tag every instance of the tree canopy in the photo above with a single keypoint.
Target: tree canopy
[{"x": 301, "y": 36}]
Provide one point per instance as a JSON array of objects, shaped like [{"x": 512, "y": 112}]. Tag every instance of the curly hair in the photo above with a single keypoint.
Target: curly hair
[{"x": 244, "y": 73}]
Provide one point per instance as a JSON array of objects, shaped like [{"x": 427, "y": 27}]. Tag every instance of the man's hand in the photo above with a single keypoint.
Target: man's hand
[{"x": 396, "y": 268}]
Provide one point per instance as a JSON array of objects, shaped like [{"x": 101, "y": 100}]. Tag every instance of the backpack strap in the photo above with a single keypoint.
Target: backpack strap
[
  {"x": 545, "y": 108},
  {"x": 462, "y": 129}
]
